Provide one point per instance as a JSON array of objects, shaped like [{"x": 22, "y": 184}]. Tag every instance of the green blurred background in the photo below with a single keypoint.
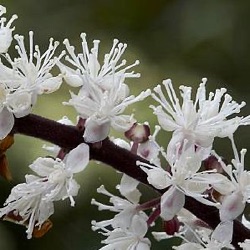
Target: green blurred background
[{"x": 178, "y": 39}]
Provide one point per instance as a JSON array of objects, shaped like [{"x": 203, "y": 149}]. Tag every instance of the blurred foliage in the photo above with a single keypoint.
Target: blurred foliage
[{"x": 178, "y": 39}]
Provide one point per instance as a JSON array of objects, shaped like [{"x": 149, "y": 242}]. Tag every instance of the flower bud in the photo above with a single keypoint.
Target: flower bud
[
  {"x": 172, "y": 226},
  {"x": 138, "y": 133}
]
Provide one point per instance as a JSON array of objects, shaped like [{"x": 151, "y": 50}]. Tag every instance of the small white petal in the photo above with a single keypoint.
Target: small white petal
[
  {"x": 70, "y": 76},
  {"x": 95, "y": 131},
  {"x": 128, "y": 188},
  {"x": 158, "y": 178},
  {"x": 6, "y": 123},
  {"x": 223, "y": 232},
  {"x": 139, "y": 226},
  {"x": 172, "y": 201},
  {"x": 6, "y": 33},
  {"x": 78, "y": 158},
  {"x": 50, "y": 85},
  {"x": 20, "y": 103},
  {"x": 122, "y": 123},
  {"x": 44, "y": 166},
  {"x": 232, "y": 206}
]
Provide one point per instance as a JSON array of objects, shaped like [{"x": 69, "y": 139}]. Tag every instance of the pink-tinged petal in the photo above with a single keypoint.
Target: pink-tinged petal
[
  {"x": 232, "y": 206},
  {"x": 96, "y": 131},
  {"x": 78, "y": 158},
  {"x": 172, "y": 202},
  {"x": 6, "y": 123},
  {"x": 149, "y": 150}
]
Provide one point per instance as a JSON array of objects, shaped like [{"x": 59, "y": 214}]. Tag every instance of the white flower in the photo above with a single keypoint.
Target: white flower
[
  {"x": 32, "y": 202},
  {"x": 28, "y": 77},
  {"x": 5, "y": 31},
  {"x": 88, "y": 69},
  {"x": 196, "y": 235},
  {"x": 198, "y": 121},
  {"x": 26, "y": 203},
  {"x": 150, "y": 149},
  {"x": 127, "y": 238},
  {"x": 126, "y": 208},
  {"x": 128, "y": 228},
  {"x": 237, "y": 191},
  {"x": 183, "y": 179},
  {"x": 219, "y": 239},
  {"x": 31, "y": 71},
  {"x": 59, "y": 174},
  {"x": 103, "y": 109},
  {"x": 103, "y": 96}
]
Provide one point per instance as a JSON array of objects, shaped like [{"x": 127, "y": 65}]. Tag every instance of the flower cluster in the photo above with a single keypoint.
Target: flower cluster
[
  {"x": 188, "y": 168},
  {"x": 31, "y": 203},
  {"x": 103, "y": 95},
  {"x": 27, "y": 77},
  {"x": 129, "y": 226},
  {"x": 183, "y": 173},
  {"x": 199, "y": 121}
]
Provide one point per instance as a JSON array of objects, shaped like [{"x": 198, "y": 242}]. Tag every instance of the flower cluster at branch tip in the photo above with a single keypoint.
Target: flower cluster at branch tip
[{"x": 189, "y": 168}]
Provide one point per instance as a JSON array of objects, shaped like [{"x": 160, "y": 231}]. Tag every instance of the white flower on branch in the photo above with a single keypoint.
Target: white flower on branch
[
  {"x": 59, "y": 174},
  {"x": 182, "y": 179},
  {"x": 197, "y": 235},
  {"x": 103, "y": 96},
  {"x": 205, "y": 239},
  {"x": 5, "y": 31},
  {"x": 88, "y": 70},
  {"x": 198, "y": 121},
  {"x": 32, "y": 202},
  {"x": 130, "y": 224},
  {"x": 27, "y": 205},
  {"x": 103, "y": 109},
  {"x": 125, "y": 207},
  {"x": 126, "y": 238},
  {"x": 237, "y": 194},
  {"x": 28, "y": 76}
]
